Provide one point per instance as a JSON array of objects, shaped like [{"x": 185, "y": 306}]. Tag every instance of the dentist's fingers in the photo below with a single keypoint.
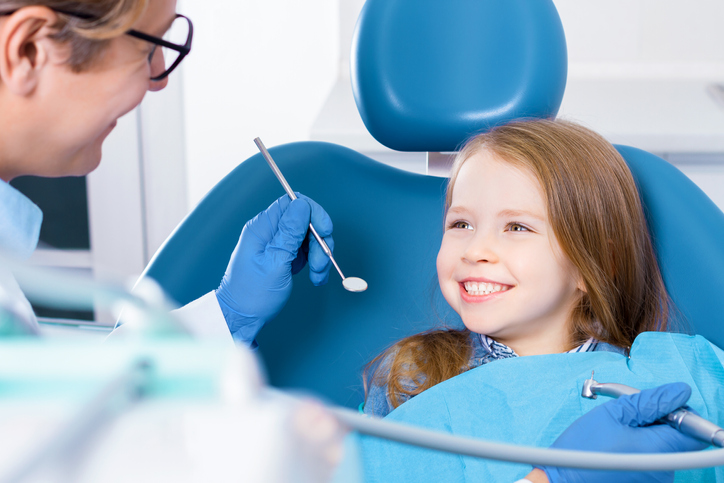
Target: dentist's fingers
[{"x": 319, "y": 262}]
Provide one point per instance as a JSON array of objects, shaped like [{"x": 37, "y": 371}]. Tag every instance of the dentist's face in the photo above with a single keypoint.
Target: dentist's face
[
  {"x": 500, "y": 266},
  {"x": 83, "y": 108}
]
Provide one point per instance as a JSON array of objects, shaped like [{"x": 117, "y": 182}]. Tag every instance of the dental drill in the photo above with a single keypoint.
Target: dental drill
[{"x": 682, "y": 420}]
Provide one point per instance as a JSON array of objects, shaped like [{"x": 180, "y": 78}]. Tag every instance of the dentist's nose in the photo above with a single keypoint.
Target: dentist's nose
[
  {"x": 482, "y": 248},
  {"x": 157, "y": 68},
  {"x": 155, "y": 86}
]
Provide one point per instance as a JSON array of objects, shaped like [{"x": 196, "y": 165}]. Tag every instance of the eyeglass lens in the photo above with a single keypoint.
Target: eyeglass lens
[{"x": 178, "y": 34}]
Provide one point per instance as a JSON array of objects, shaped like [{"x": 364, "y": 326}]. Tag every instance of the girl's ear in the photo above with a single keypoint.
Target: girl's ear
[
  {"x": 580, "y": 284},
  {"x": 26, "y": 48}
]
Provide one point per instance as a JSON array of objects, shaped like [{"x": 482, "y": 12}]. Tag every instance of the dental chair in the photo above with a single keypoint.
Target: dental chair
[{"x": 426, "y": 75}]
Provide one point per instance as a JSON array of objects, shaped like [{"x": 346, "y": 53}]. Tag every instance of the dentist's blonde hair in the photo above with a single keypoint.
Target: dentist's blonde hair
[
  {"x": 595, "y": 212},
  {"x": 87, "y": 37}
]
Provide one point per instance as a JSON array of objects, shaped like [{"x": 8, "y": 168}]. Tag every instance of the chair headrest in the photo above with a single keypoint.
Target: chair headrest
[{"x": 427, "y": 74}]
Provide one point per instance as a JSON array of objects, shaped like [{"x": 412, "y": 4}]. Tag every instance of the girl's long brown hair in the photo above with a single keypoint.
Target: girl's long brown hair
[
  {"x": 596, "y": 214},
  {"x": 86, "y": 37}
]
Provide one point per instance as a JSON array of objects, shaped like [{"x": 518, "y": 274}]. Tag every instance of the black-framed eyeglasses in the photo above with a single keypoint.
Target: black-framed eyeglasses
[{"x": 174, "y": 46}]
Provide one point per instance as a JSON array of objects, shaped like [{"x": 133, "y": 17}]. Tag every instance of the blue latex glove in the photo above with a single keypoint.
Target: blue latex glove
[
  {"x": 623, "y": 426},
  {"x": 273, "y": 246}
]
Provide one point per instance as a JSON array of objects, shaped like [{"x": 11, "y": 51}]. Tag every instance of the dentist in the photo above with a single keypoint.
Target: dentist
[{"x": 68, "y": 70}]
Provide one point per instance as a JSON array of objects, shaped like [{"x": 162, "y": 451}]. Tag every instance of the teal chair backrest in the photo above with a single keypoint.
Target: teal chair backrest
[
  {"x": 387, "y": 228},
  {"x": 688, "y": 233},
  {"x": 426, "y": 74}
]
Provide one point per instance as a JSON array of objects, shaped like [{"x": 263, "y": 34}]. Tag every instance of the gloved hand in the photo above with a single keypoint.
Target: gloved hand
[
  {"x": 622, "y": 426},
  {"x": 273, "y": 246}
]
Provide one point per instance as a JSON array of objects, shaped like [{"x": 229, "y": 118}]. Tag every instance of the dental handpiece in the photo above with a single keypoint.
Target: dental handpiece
[{"x": 682, "y": 420}]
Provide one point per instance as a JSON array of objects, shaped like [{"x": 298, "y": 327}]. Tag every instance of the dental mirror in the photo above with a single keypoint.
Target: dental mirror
[
  {"x": 354, "y": 284},
  {"x": 351, "y": 284}
]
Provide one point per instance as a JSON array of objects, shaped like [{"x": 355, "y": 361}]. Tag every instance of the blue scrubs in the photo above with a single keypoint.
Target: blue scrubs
[{"x": 20, "y": 221}]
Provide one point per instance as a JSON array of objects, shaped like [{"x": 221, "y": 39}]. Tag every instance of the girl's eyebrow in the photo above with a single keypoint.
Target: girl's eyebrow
[
  {"x": 456, "y": 209},
  {"x": 517, "y": 213},
  {"x": 509, "y": 213}
]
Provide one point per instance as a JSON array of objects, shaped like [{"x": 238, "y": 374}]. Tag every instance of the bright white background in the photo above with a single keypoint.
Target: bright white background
[{"x": 258, "y": 68}]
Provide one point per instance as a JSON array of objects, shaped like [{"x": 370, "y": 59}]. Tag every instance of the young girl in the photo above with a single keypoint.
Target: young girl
[{"x": 545, "y": 250}]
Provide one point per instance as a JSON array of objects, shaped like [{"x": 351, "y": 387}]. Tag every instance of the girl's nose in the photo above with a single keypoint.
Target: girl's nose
[{"x": 481, "y": 249}]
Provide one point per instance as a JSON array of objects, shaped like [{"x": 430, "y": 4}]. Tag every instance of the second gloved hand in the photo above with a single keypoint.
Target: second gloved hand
[
  {"x": 273, "y": 246},
  {"x": 626, "y": 425}
]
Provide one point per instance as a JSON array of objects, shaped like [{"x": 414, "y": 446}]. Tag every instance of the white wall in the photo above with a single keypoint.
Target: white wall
[
  {"x": 258, "y": 68},
  {"x": 644, "y": 38}
]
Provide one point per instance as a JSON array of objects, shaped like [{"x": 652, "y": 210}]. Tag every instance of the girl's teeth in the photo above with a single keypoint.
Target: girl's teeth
[{"x": 482, "y": 288}]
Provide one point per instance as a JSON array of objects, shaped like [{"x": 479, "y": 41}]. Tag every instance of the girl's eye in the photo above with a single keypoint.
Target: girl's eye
[
  {"x": 461, "y": 225},
  {"x": 517, "y": 227}
]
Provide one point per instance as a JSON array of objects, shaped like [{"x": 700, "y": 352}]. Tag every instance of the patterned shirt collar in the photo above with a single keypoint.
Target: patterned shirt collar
[
  {"x": 495, "y": 350},
  {"x": 20, "y": 221}
]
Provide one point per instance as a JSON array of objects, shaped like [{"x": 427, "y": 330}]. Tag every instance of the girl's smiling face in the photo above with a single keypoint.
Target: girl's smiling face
[{"x": 500, "y": 266}]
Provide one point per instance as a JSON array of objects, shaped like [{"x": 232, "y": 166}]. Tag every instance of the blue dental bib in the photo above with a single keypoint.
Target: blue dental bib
[{"x": 531, "y": 400}]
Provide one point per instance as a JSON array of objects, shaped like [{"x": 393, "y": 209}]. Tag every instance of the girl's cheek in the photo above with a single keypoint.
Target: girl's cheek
[{"x": 439, "y": 262}]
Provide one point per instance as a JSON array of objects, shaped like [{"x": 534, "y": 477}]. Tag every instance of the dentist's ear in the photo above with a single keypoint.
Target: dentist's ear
[{"x": 26, "y": 47}]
